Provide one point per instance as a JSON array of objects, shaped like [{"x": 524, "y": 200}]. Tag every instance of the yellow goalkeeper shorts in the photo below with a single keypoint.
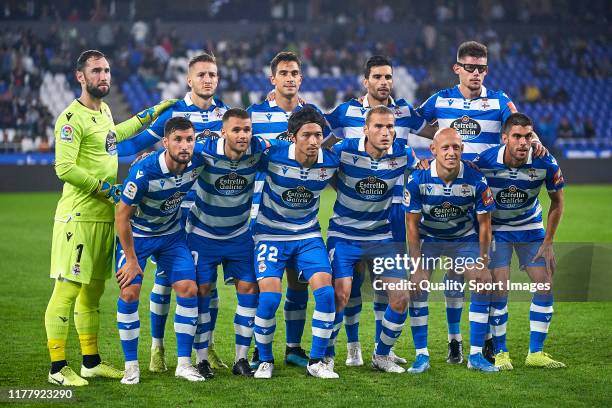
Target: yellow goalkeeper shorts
[{"x": 82, "y": 251}]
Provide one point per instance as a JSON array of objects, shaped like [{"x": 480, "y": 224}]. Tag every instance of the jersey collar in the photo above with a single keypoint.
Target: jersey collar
[
  {"x": 366, "y": 101},
  {"x": 502, "y": 151},
  {"x": 189, "y": 102},
  {"x": 221, "y": 147},
  {"x": 483, "y": 92},
  {"x": 273, "y": 104},
  {"x": 434, "y": 171},
  {"x": 291, "y": 153},
  {"x": 162, "y": 162},
  {"x": 362, "y": 148}
]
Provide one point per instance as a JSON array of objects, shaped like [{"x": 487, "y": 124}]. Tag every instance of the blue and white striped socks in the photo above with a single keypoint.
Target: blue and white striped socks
[{"x": 244, "y": 322}]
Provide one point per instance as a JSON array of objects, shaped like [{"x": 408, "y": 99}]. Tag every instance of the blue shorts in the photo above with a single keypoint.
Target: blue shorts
[
  {"x": 397, "y": 218},
  {"x": 345, "y": 254},
  {"x": 306, "y": 256},
  {"x": 526, "y": 244},
  {"x": 234, "y": 254},
  {"x": 170, "y": 252},
  {"x": 461, "y": 250}
]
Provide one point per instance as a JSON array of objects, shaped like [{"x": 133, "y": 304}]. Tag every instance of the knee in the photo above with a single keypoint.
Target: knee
[
  {"x": 341, "y": 297},
  {"x": 204, "y": 289},
  {"x": 130, "y": 294},
  {"x": 399, "y": 302},
  {"x": 247, "y": 288},
  {"x": 185, "y": 288}
]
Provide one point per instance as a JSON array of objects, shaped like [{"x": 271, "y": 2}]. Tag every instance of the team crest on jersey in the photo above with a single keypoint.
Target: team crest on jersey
[
  {"x": 511, "y": 197},
  {"x": 393, "y": 163},
  {"x": 111, "y": 143},
  {"x": 231, "y": 184},
  {"x": 446, "y": 212},
  {"x": 194, "y": 174},
  {"x": 172, "y": 203},
  {"x": 76, "y": 269},
  {"x": 466, "y": 191},
  {"x": 66, "y": 134},
  {"x": 262, "y": 267},
  {"x": 467, "y": 127},
  {"x": 371, "y": 188},
  {"x": 485, "y": 103},
  {"x": 398, "y": 111},
  {"x": 298, "y": 197},
  {"x": 218, "y": 112},
  {"x": 532, "y": 173},
  {"x": 406, "y": 197},
  {"x": 322, "y": 174}
]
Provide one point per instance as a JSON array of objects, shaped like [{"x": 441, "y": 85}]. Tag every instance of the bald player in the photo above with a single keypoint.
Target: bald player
[{"x": 442, "y": 205}]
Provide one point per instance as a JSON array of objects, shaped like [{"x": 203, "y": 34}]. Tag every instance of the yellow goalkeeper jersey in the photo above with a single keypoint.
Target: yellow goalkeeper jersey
[{"x": 85, "y": 152}]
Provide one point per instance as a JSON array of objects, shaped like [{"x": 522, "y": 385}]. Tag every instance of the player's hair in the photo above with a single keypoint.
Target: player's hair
[
  {"x": 516, "y": 119},
  {"x": 177, "y": 123},
  {"x": 375, "y": 61},
  {"x": 204, "y": 57},
  {"x": 379, "y": 109},
  {"x": 85, "y": 56},
  {"x": 235, "y": 113},
  {"x": 471, "y": 49},
  {"x": 284, "y": 56},
  {"x": 308, "y": 114}
]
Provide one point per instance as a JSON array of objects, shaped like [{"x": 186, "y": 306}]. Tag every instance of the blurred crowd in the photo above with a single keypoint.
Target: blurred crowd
[{"x": 144, "y": 48}]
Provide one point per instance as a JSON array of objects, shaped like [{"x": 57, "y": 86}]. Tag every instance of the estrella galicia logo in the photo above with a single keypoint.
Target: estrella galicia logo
[
  {"x": 446, "y": 212},
  {"x": 467, "y": 127},
  {"x": 298, "y": 197},
  {"x": 231, "y": 184},
  {"x": 284, "y": 136},
  {"x": 172, "y": 203},
  {"x": 371, "y": 188},
  {"x": 111, "y": 143},
  {"x": 511, "y": 197}
]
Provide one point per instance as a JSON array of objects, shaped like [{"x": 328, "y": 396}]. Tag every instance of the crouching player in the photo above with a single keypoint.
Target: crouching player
[
  {"x": 440, "y": 204},
  {"x": 218, "y": 231},
  {"x": 287, "y": 232},
  {"x": 516, "y": 176},
  {"x": 360, "y": 228},
  {"x": 148, "y": 224}
]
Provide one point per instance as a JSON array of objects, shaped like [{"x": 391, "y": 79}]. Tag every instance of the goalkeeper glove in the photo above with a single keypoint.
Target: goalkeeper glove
[
  {"x": 108, "y": 191},
  {"x": 150, "y": 114}
]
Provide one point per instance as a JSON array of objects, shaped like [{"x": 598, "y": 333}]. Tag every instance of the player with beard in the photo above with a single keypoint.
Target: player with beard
[
  {"x": 347, "y": 121},
  {"x": 83, "y": 232},
  {"x": 477, "y": 113},
  {"x": 205, "y": 111}
]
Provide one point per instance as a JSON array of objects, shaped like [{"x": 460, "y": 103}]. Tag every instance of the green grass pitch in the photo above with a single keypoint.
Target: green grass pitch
[{"x": 580, "y": 336}]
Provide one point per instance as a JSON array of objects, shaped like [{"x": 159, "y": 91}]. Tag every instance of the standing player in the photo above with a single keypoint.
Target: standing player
[
  {"x": 218, "y": 230},
  {"x": 270, "y": 120},
  {"x": 287, "y": 231},
  {"x": 515, "y": 177},
  {"x": 205, "y": 111},
  {"x": 360, "y": 229},
  {"x": 347, "y": 122},
  {"x": 477, "y": 113},
  {"x": 148, "y": 224},
  {"x": 440, "y": 203},
  {"x": 83, "y": 233}
]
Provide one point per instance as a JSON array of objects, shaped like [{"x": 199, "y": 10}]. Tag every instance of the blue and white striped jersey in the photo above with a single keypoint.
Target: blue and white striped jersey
[
  {"x": 365, "y": 189},
  {"x": 224, "y": 191},
  {"x": 478, "y": 121},
  {"x": 203, "y": 120},
  {"x": 269, "y": 121},
  {"x": 348, "y": 119},
  {"x": 291, "y": 195},
  {"x": 157, "y": 194},
  {"x": 516, "y": 190},
  {"x": 447, "y": 210}
]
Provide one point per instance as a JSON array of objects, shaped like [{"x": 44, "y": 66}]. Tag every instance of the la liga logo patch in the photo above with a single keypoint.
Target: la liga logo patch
[{"x": 66, "y": 133}]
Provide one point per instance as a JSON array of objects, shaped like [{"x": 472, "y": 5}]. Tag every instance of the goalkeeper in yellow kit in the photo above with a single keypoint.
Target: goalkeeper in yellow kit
[{"x": 83, "y": 232}]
